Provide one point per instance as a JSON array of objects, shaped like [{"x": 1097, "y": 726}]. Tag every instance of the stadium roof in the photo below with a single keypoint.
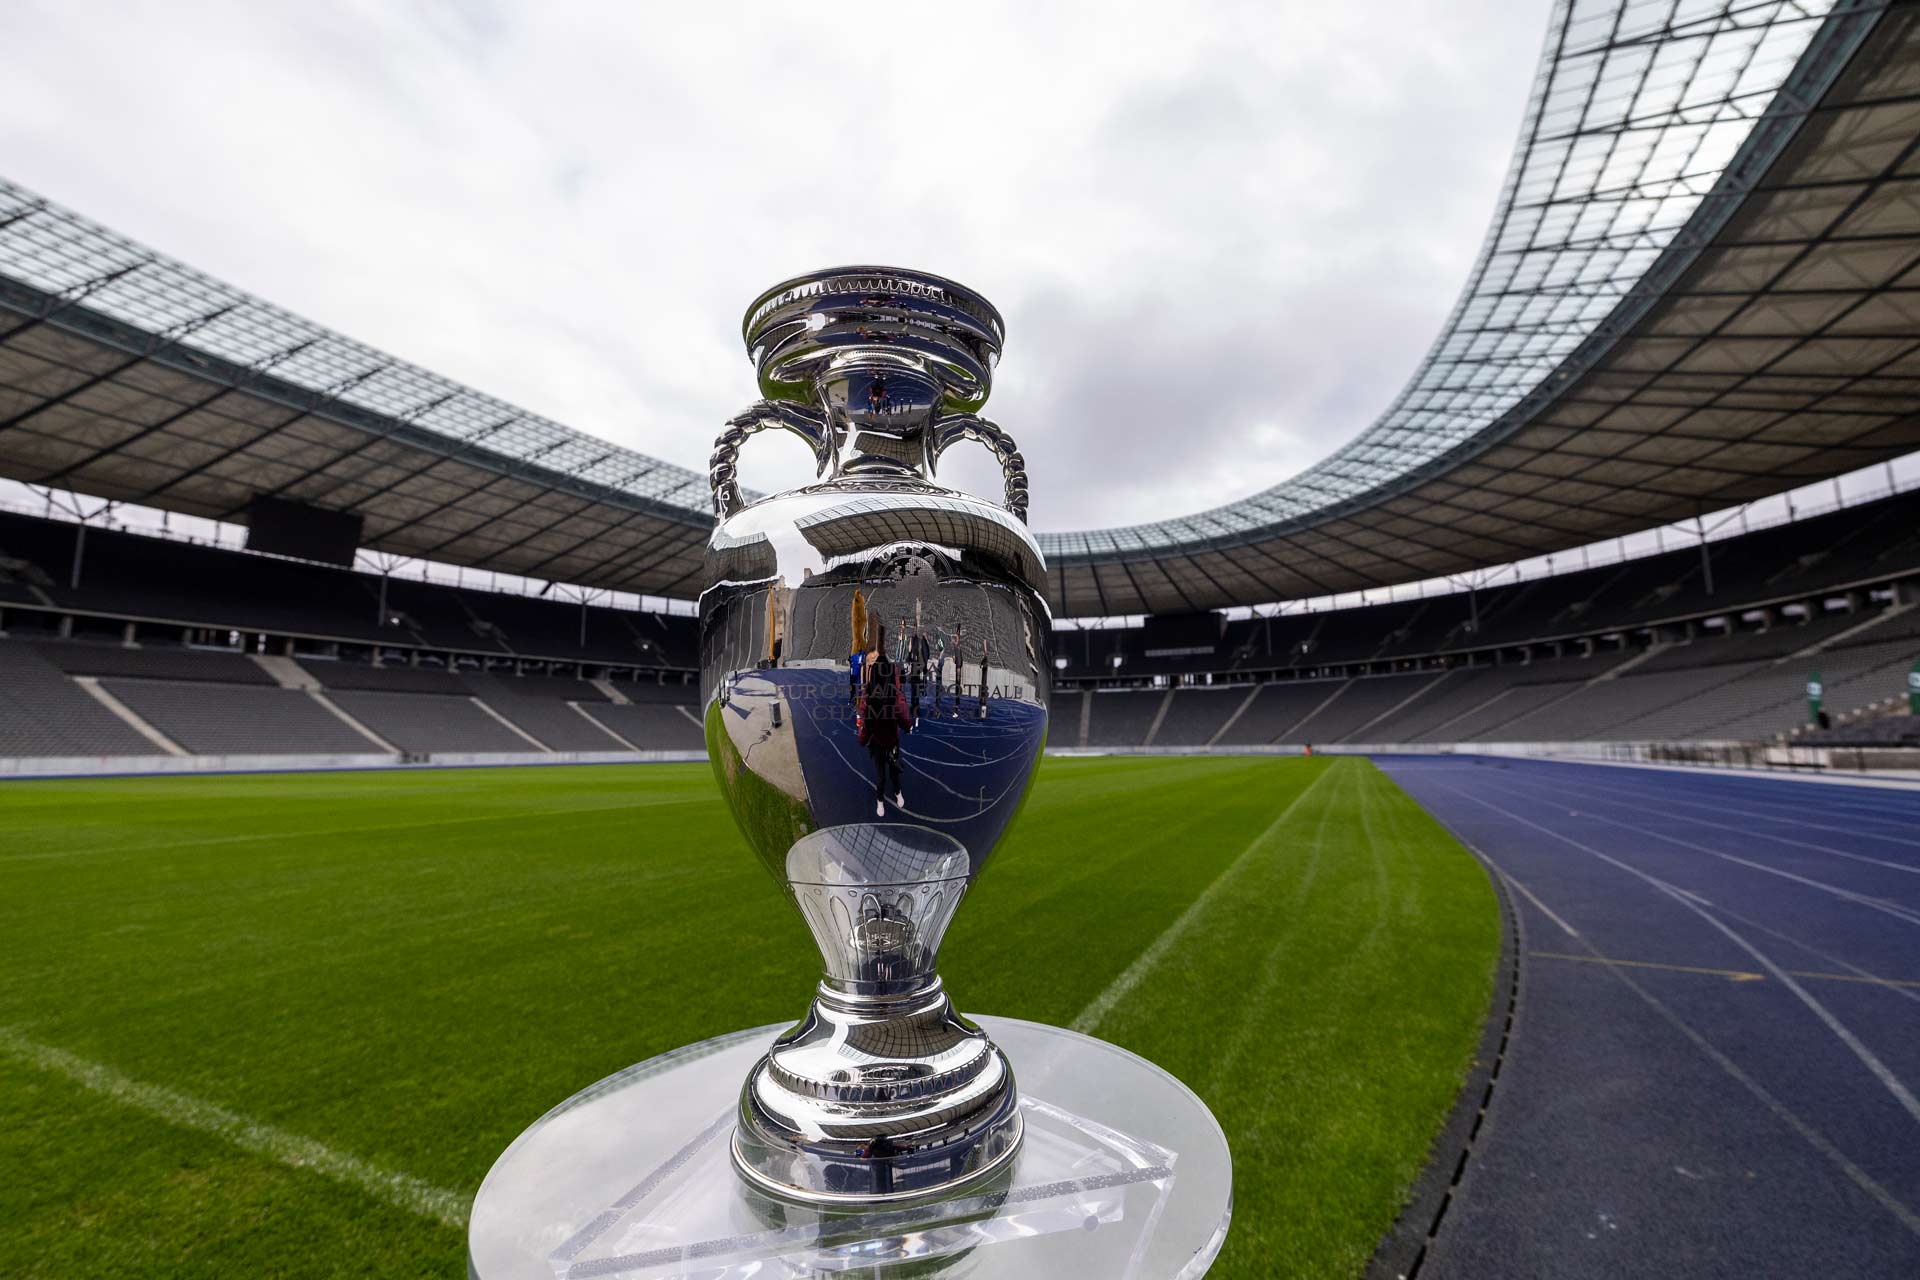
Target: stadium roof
[{"x": 1698, "y": 289}]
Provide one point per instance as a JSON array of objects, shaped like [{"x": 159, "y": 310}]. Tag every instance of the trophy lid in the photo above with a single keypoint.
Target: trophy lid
[{"x": 820, "y": 329}]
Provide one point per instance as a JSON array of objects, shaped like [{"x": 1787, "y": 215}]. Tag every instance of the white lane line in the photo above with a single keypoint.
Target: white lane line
[
  {"x": 1618, "y": 798},
  {"x": 1122, "y": 987},
  {"x": 1779, "y": 804},
  {"x": 1867, "y": 1057},
  {"x": 1866, "y": 976},
  {"x": 1527, "y": 893},
  {"x": 1814, "y": 1138},
  {"x": 1885, "y": 906},
  {"x": 403, "y": 1191},
  {"x": 1863, "y": 975}
]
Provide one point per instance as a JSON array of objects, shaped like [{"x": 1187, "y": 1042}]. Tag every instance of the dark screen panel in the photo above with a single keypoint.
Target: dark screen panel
[
  {"x": 295, "y": 529},
  {"x": 1181, "y": 630}
]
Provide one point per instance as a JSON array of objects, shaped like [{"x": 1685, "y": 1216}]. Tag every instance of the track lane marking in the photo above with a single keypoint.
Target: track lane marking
[
  {"x": 1737, "y": 975},
  {"x": 1784, "y": 804},
  {"x": 401, "y": 1190},
  {"x": 1545, "y": 910},
  {"x": 1732, "y": 975},
  {"x": 1763, "y": 835},
  {"x": 1840, "y": 1030},
  {"x": 1854, "y": 972},
  {"x": 1121, "y": 987},
  {"x": 1886, "y": 906},
  {"x": 1780, "y": 1111}
]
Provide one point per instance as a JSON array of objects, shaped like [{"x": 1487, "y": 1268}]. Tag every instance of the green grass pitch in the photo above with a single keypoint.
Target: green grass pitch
[{"x": 281, "y": 1025}]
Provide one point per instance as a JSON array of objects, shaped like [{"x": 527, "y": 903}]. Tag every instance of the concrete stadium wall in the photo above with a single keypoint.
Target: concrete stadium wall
[{"x": 120, "y": 766}]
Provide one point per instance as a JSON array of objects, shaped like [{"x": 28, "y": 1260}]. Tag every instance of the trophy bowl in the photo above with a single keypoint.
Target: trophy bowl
[{"x": 875, "y": 669}]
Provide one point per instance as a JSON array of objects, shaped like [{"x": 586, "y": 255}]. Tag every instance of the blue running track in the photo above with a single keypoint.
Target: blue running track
[{"x": 1715, "y": 1062}]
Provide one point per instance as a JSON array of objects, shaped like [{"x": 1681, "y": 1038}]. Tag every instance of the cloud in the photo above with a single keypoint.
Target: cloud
[{"x": 1222, "y": 235}]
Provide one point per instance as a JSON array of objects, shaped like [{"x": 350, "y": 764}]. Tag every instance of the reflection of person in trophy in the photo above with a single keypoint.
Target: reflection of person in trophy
[
  {"x": 939, "y": 671},
  {"x": 959, "y": 660},
  {"x": 881, "y": 1149},
  {"x": 857, "y": 647},
  {"x": 917, "y": 651},
  {"x": 983, "y": 679},
  {"x": 773, "y": 624},
  {"x": 880, "y": 726}
]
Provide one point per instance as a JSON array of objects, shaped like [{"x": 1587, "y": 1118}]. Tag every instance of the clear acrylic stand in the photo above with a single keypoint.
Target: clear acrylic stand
[{"x": 1122, "y": 1173}]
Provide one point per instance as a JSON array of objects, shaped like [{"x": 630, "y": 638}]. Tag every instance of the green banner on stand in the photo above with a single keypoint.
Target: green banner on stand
[{"x": 1815, "y": 690}]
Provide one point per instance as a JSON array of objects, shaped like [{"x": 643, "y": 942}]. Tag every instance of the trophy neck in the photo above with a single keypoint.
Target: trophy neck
[
  {"x": 877, "y": 898},
  {"x": 881, "y": 410},
  {"x": 854, "y": 997}
]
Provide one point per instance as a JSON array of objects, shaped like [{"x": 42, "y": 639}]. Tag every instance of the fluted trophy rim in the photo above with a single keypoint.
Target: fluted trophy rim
[{"x": 971, "y": 297}]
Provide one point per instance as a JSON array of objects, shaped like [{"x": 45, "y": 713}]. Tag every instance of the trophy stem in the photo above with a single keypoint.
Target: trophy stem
[{"x": 877, "y": 1098}]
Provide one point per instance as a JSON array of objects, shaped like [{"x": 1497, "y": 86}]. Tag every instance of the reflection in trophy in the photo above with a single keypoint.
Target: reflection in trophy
[{"x": 874, "y": 676}]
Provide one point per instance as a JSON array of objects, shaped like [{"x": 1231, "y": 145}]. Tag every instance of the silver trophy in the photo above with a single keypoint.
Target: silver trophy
[
  {"x": 874, "y": 679},
  {"x": 874, "y": 675}
]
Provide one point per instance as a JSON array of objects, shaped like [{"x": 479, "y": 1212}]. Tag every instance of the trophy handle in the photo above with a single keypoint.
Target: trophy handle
[
  {"x": 764, "y": 415},
  {"x": 953, "y": 429}
]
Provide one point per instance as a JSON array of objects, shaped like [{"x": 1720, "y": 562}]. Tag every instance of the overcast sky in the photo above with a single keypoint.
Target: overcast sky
[{"x": 1222, "y": 235}]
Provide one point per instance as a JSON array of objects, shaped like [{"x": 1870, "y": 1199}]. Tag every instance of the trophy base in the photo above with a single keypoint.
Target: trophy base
[
  {"x": 788, "y": 1171},
  {"x": 877, "y": 1100},
  {"x": 1121, "y": 1172}
]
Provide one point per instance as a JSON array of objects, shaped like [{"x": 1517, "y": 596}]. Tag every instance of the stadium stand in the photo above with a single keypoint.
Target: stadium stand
[
  {"x": 238, "y": 719},
  {"x": 44, "y": 713},
  {"x": 1790, "y": 564},
  {"x": 1639, "y": 650},
  {"x": 153, "y": 664},
  {"x": 1122, "y": 717},
  {"x": 160, "y": 583},
  {"x": 364, "y": 677},
  {"x": 1065, "y": 715},
  {"x": 1276, "y": 708},
  {"x": 544, "y": 708},
  {"x": 654, "y": 726},
  {"x": 1196, "y": 714},
  {"x": 1358, "y": 704},
  {"x": 427, "y": 723}
]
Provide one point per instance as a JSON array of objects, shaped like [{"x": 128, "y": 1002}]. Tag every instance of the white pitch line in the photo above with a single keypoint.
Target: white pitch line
[
  {"x": 403, "y": 1191},
  {"x": 1122, "y": 987},
  {"x": 306, "y": 833}
]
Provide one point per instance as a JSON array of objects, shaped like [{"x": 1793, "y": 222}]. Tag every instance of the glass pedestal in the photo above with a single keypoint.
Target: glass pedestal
[{"x": 1122, "y": 1173}]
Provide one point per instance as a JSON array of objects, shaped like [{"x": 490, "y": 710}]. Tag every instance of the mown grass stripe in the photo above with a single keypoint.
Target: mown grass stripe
[
  {"x": 403, "y": 1191},
  {"x": 279, "y": 835},
  {"x": 1121, "y": 987}
]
